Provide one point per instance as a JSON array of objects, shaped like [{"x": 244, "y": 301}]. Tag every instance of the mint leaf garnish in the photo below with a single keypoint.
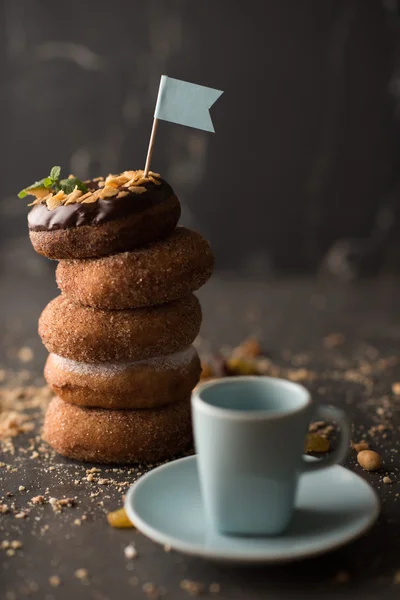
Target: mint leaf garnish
[
  {"x": 37, "y": 184},
  {"x": 53, "y": 184},
  {"x": 55, "y": 173},
  {"x": 68, "y": 185}
]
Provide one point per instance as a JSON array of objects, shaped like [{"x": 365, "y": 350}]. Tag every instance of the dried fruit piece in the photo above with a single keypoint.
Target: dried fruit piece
[
  {"x": 241, "y": 366},
  {"x": 369, "y": 460},
  {"x": 316, "y": 443},
  {"x": 119, "y": 519},
  {"x": 206, "y": 371}
]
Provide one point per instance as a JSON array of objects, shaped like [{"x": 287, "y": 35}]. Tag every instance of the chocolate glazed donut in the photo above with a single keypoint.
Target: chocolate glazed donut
[{"x": 106, "y": 226}]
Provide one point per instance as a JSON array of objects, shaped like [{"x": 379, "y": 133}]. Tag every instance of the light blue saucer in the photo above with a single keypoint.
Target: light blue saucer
[{"x": 334, "y": 506}]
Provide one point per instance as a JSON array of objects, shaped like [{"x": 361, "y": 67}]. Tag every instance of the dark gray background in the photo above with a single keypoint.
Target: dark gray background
[{"x": 306, "y": 147}]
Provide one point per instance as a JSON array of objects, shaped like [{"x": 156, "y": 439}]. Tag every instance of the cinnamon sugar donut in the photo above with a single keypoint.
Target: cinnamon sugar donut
[
  {"x": 106, "y": 226},
  {"x": 92, "y": 335},
  {"x": 161, "y": 272},
  {"x": 142, "y": 384},
  {"x": 117, "y": 436}
]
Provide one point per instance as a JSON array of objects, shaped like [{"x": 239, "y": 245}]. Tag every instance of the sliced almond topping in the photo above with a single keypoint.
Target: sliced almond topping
[
  {"x": 84, "y": 196},
  {"x": 39, "y": 200},
  {"x": 108, "y": 192},
  {"x": 74, "y": 195},
  {"x": 39, "y": 192},
  {"x": 140, "y": 181},
  {"x": 92, "y": 198},
  {"x": 116, "y": 181},
  {"x": 129, "y": 174},
  {"x": 114, "y": 185},
  {"x": 137, "y": 189},
  {"x": 112, "y": 181},
  {"x": 56, "y": 200}
]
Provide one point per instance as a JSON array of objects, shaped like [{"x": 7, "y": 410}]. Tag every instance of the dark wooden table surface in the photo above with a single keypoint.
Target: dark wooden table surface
[{"x": 292, "y": 318}]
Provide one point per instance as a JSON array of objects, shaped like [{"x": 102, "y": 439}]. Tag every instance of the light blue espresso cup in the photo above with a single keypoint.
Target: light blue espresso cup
[{"x": 250, "y": 435}]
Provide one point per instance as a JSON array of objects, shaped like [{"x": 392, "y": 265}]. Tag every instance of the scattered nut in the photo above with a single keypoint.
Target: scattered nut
[
  {"x": 396, "y": 388},
  {"x": 369, "y": 460},
  {"x": 25, "y": 354},
  {"x": 150, "y": 590},
  {"x": 333, "y": 340},
  {"x": 21, "y": 515},
  {"x": 54, "y": 580},
  {"x": 130, "y": 552},
  {"x": 81, "y": 574},
  {"x": 387, "y": 480},
  {"x": 194, "y": 588},
  {"x": 38, "y": 500}
]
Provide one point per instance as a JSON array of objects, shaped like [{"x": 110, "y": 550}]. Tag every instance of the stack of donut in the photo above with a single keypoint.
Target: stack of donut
[{"x": 120, "y": 335}]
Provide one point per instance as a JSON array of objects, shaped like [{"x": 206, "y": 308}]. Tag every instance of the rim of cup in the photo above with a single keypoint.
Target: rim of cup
[{"x": 204, "y": 405}]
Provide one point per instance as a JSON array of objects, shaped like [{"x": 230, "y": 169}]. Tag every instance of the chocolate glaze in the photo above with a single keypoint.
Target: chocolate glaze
[{"x": 41, "y": 218}]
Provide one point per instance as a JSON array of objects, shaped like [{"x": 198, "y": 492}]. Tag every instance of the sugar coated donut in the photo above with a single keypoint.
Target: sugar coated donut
[
  {"x": 91, "y": 335},
  {"x": 158, "y": 273},
  {"x": 141, "y": 384},
  {"x": 111, "y": 218},
  {"x": 117, "y": 436}
]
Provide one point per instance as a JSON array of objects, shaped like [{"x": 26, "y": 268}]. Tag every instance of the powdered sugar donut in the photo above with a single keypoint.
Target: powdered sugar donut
[
  {"x": 155, "y": 274},
  {"x": 91, "y": 335},
  {"x": 141, "y": 384},
  {"x": 117, "y": 436}
]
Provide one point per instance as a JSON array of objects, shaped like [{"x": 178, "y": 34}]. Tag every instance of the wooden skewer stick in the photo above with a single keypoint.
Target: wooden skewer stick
[{"x": 151, "y": 146}]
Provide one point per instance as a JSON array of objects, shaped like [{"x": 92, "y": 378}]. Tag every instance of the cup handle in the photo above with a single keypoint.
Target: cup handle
[{"x": 331, "y": 413}]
